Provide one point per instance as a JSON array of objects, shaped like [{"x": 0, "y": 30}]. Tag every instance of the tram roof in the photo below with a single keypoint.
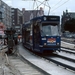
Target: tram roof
[{"x": 41, "y": 18}]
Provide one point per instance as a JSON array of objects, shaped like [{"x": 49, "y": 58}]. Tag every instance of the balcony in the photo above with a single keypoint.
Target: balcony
[{"x": 1, "y": 9}]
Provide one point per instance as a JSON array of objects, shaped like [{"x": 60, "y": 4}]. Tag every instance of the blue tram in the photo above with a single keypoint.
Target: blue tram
[{"x": 41, "y": 34}]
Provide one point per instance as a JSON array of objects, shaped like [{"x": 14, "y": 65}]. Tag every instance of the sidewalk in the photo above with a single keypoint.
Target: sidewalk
[{"x": 6, "y": 68}]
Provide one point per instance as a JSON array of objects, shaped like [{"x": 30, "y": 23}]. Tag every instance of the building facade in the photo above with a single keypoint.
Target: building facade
[
  {"x": 17, "y": 19},
  {"x": 65, "y": 17},
  {"x": 29, "y": 14},
  {"x": 5, "y": 14}
]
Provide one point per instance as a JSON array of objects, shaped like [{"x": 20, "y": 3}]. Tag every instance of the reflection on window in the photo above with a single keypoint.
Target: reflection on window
[
  {"x": 54, "y": 30},
  {"x": 46, "y": 31},
  {"x": 49, "y": 30}
]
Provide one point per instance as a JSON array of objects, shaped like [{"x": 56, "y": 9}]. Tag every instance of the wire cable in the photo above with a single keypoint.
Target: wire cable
[
  {"x": 59, "y": 6},
  {"x": 49, "y": 8},
  {"x": 39, "y": 4},
  {"x": 56, "y": 4},
  {"x": 43, "y": 3},
  {"x": 46, "y": 5}
]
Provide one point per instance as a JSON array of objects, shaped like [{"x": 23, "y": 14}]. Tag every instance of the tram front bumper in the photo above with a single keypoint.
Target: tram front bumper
[{"x": 49, "y": 47}]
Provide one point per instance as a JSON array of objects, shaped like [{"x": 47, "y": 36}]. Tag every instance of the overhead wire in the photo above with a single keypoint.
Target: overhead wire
[
  {"x": 56, "y": 4},
  {"x": 49, "y": 5},
  {"x": 46, "y": 5},
  {"x": 33, "y": 4},
  {"x": 59, "y": 6},
  {"x": 49, "y": 8},
  {"x": 40, "y": 4}
]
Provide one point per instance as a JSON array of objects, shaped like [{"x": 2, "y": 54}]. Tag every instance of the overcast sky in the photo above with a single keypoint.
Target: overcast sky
[{"x": 56, "y": 6}]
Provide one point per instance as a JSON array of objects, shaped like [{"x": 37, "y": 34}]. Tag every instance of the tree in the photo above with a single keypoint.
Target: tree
[{"x": 70, "y": 25}]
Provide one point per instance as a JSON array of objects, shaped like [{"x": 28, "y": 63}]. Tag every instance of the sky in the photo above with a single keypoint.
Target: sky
[{"x": 56, "y": 6}]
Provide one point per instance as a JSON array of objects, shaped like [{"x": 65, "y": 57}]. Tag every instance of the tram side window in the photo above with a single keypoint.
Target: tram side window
[
  {"x": 24, "y": 36},
  {"x": 27, "y": 35}
]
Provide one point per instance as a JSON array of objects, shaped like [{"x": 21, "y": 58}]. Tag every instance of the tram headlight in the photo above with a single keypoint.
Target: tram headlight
[
  {"x": 43, "y": 38},
  {"x": 57, "y": 43},
  {"x": 45, "y": 18},
  {"x": 44, "y": 43}
]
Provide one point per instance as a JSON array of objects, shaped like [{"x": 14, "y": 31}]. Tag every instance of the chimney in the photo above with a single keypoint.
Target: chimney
[
  {"x": 41, "y": 11},
  {"x": 23, "y": 10}
]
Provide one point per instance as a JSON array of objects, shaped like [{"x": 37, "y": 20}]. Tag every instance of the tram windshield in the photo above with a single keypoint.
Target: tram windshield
[{"x": 49, "y": 30}]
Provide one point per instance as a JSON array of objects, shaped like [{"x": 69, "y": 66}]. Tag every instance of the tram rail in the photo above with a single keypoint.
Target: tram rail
[
  {"x": 68, "y": 51},
  {"x": 61, "y": 63}
]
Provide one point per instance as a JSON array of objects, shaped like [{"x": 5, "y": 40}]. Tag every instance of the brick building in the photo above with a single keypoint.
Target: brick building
[
  {"x": 17, "y": 19},
  {"x": 29, "y": 14}
]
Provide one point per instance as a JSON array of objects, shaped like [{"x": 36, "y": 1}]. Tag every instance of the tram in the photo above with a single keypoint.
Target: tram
[{"x": 42, "y": 34}]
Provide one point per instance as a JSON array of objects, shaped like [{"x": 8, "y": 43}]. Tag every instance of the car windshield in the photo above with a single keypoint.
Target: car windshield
[{"x": 49, "y": 30}]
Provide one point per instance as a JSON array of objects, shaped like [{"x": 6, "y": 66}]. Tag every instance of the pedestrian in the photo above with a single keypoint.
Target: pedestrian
[{"x": 19, "y": 38}]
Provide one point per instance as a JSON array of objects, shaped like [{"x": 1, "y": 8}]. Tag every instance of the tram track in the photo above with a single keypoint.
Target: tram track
[
  {"x": 20, "y": 66},
  {"x": 66, "y": 58},
  {"x": 67, "y": 48},
  {"x": 68, "y": 40},
  {"x": 24, "y": 69},
  {"x": 40, "y": 60},
  {"x": 68, "y": 43},
  {"x": 68, "y": 51},
  {"x": 60, "y": 61},
  {"x": 18, "y": 63},
  {"x": 54, "y": 59}
]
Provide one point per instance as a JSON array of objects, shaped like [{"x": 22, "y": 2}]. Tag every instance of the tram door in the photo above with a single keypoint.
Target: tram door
[{"x": 36, "y": 37}]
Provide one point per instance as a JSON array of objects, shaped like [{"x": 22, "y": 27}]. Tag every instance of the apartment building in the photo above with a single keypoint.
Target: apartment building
[
  {"x": 5, "y": 14},
  {"x": 17, "y": 19}
]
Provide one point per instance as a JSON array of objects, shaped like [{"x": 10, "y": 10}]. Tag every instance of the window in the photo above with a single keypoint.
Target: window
[
  {"x": 0, "y": 15},
  {"x": 0, "y": 2}
]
